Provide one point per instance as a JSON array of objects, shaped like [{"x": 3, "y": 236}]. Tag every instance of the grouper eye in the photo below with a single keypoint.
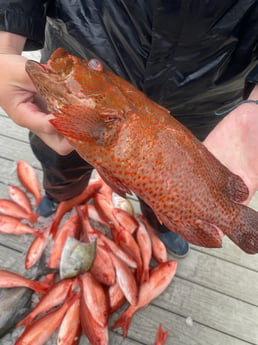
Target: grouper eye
[{"x": 95, "y": 64}]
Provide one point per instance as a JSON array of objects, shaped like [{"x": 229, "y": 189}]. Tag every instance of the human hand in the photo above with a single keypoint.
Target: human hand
[
  {"x": 19, "y": 99},
  {"x": 234, "y": 141},
  {"x": 18, "y": 95}
]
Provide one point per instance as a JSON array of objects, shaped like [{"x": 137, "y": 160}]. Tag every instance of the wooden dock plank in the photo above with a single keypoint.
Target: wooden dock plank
[
  {"x": 231, "y": 253},
  {"x": 9, "y": 129},
  {"x": 9, "y": 176},
  {"x": 7, "y": 261},
  {"x": 145, "y": 322},
  {"x": 17, "y": 150},
  {"x": 211, "y": 309},
  {"x": 220, "y": 276},
  {"x": 18, "y": 243},
  {"x": 3, "y": 191}
]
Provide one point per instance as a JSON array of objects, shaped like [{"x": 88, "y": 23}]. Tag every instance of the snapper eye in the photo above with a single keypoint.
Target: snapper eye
[{"x": 95, "y": 65}]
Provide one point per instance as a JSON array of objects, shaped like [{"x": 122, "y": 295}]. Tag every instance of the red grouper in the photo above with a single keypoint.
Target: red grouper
[{"x": 138, "y": 146}]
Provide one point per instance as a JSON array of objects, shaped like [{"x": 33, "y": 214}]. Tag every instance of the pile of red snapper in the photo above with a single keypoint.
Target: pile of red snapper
[{"x": 117, "y": 266}]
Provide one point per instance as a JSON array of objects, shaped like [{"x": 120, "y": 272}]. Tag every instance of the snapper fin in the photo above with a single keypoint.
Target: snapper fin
[{"x": 124, "y": 320}]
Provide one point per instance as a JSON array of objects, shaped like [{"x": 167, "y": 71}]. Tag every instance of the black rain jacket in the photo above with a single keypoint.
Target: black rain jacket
[{"x": 194, "y": 57}]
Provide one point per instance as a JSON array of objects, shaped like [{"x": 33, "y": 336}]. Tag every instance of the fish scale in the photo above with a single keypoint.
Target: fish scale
[{"x": 138, "y": 146}]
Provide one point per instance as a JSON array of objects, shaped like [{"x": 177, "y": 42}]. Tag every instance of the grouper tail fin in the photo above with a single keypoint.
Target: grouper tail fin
[{"x": 245, "y": 230}]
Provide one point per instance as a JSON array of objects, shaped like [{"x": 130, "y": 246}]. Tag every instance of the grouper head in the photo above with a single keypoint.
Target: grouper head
[{"x": 88, "y": 101}]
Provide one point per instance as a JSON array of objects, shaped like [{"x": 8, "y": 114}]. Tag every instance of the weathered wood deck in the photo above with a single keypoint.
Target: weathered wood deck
[{"x": 216, "y": 289}]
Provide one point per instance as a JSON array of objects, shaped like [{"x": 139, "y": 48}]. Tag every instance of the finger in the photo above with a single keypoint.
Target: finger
[
  {"x": 18, "y": 75},
  {"x": 57, "y": 143},
  {"x": 30, "y": 116}
]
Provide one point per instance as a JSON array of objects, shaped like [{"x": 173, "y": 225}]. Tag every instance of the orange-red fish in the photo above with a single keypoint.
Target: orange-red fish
[
  {"x": 116, "y": 297},
  {"x": 161, "y": 336},
  {"x": 102, "y": 267},
  {"x": 94, "y": 215},
  {"x": 160, "y": 278},
  {"x": 41, "y": 330},
  {"x": 28, "y": 178},
  {"x": 10, "y": 279},
  {"x": 138, "y": 146},
  {"x": 105, "y": 208},
  {"x": 144, "y": 242},
  {"x": 11, "y": 208},
  {"x": 130, "y": 246},
  {"x": 11, "y": 225},
  {"x": 127, "y": 221},
  {"x": 125, "y": 279},
  {"x": 70, "y": 329},
  {"x": 159, "y": 251},
  {"x": 117, "y": 250},
  {"x": 96, "y": 334},
  {"x": 70, "y": 228},
  {"x": 21, "y": 198},
  {"x": 36, "y": 249},
  {"x": 54, "y": 297},
  {"x": 106, "y": 190},
  {"x": 67, "y": 205},
  {"x": 96, "y": 298}
]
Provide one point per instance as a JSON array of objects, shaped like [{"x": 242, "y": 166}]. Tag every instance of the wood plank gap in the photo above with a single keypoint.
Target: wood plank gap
[
  {"x": 224, "y": 259},
  {"x": 11, "y": 248},
  {"x": 206, "y": 326},
  {"x": 13, "y": 138},
  {"x": 7, "y": 159},
  {"x": 215, "y": 290}
]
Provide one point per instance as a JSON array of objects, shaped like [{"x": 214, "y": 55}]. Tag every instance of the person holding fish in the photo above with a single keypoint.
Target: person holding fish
[{"x": 197, "y": 59}]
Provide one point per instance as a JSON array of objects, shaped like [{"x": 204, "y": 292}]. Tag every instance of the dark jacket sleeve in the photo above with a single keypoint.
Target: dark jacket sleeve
[{"x": 26, "y": 18}]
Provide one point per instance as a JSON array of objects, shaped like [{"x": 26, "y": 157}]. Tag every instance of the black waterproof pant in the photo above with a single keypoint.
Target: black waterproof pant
[{"x": 63, "y": 176}]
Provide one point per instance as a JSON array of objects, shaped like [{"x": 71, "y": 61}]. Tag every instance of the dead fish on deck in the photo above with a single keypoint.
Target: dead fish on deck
[
  {"x": 136, "y": 145},
  {"x": 15, "y": 302},
  {"x": 77, "y": 257}
]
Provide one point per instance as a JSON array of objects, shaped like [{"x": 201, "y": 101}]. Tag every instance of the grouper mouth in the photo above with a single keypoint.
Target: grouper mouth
[
  {"x": 57, "y": 83},
  {"x": 37, "y": 70},
  {"x": 51, "y": 81},
  {"x": 42, "y": 76}
]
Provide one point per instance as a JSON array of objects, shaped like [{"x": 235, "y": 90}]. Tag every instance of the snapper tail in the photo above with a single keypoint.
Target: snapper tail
[
  {"x": 125, "y": 319},
  {"x": 161, "y": 336}
]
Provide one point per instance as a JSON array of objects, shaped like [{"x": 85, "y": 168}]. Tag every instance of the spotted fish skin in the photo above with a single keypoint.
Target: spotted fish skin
[{"x": 138, "y": 146}]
